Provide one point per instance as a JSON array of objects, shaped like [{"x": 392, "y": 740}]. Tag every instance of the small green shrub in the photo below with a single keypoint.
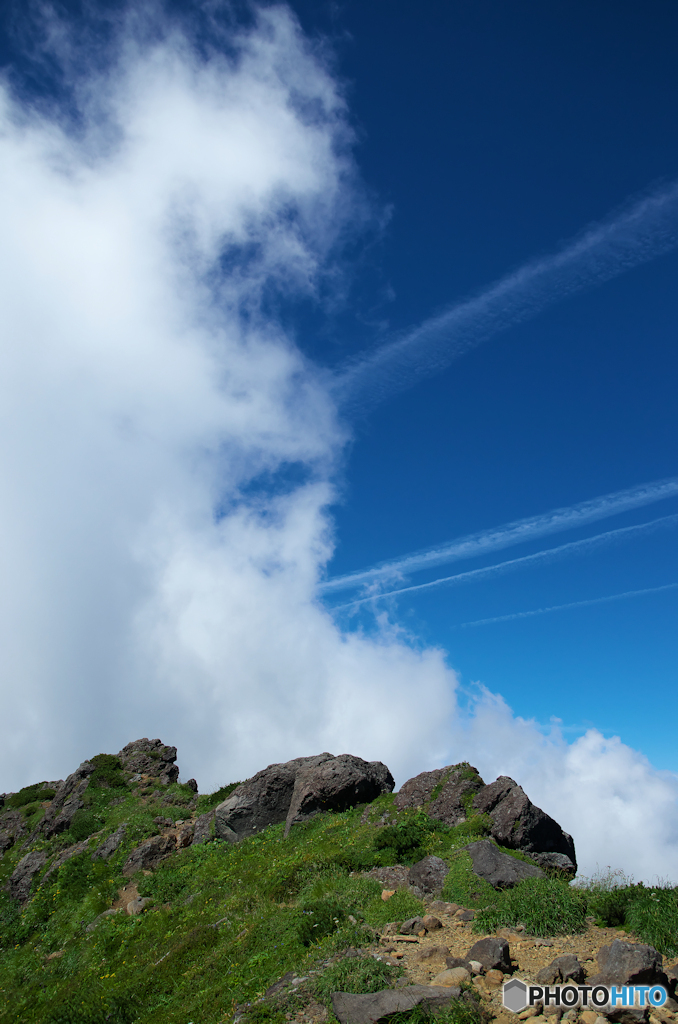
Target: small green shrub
[
  {"x": 405, "y": 838},
  {"x": 107, "y": 772},
  {"x": 320, "y": 919},
  {"x": 544, "y": 905},
  {"x": 84, "y": 823},
  {"x": 357, "y": 975},
  {"x": 29, "y": 795}
]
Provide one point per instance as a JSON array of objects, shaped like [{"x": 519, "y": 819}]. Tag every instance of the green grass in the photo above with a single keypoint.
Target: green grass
[
  {"x": 459, "y": 1011},
  {"x": 227, "y": 921},
  {"x": 355, "y": 974},
  {"x": 546, "y": 906},
  {"x": 651, "y": 912}
]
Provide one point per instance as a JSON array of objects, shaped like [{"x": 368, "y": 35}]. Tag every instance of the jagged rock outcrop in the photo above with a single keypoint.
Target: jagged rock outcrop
[
  {"x": 272, "y": 795},
  {"x": 110, "y": 845},
  {"x": 12, "y": 828},
  {"x": 499, "y": 869},
  {"x": 149, "y": 854},
  {"x": 19, "y": 884},
  {"x": 446, "y": 792},
  {"x": 520, "y": 824},
  {"x": 453, "y": 793},
  {"x": 67, "y": 800},
  {"x": 150, "y": 757}
]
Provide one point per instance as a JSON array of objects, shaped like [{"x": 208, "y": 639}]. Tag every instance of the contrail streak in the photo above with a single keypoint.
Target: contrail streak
[
  {"x": 517, "y": 532},
  {"x": 643, "y": 231},
  {"x": 562, "y": 607},
  {"x": 544, "y": 557}
]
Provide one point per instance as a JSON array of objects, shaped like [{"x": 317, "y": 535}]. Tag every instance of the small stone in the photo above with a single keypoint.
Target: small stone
[
  {"x": 412, "y": 926},
  {"x": 431, "y": 923},
  {"x": 476, "y": 966},
  {"x": 588, "y": 1017},
  {"x": 387, "y": 893},
  {"x": 531, "y": 1011},
  {"x": 494, "y": 978},
  {"x": 452, "y": 976},
  {"x": 135, "y": 907}
]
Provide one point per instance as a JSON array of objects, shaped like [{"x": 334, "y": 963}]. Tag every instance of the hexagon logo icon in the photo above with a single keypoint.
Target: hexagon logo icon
[{"x": 514, "y": 995}]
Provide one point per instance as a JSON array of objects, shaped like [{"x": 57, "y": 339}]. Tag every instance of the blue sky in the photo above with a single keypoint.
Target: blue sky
[
  {"x": 294, "y": 292},
  {"x": 496, "y": 132}
]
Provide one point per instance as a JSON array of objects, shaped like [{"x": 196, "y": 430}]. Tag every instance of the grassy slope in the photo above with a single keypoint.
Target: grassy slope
[{"x": 227, "y": 921}]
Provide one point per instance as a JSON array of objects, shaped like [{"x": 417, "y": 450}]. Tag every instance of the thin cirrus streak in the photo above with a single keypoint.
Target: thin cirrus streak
[
  {"x": 511, "y": 533},
  {"x": 644, "y": 230},
  {"x": 575, "y": 547},
  {"x": 563, "y": 607}
]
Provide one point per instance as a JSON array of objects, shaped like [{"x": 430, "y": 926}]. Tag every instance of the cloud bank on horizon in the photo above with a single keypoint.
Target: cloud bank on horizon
[{"x": 159, "y": 570}]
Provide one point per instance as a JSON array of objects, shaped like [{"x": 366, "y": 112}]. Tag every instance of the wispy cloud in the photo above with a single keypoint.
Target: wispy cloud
[
  {"x": 506, "y": 536},
  {"x": 640, "y": 233},
  {"x": 576, "y": 547},
  {"x": 564, "y": 607}
]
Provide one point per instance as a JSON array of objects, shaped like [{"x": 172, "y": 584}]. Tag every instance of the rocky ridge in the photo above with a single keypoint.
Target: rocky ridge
[{"x": 441, "y": 955}]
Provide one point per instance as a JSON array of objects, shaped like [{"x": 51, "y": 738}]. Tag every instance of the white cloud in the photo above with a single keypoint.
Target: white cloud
[{"x": 150, "y": 584}]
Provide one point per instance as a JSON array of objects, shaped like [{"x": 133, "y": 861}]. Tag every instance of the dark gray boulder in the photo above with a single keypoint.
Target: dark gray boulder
[
  {"x": 428, "y": 874},
  {"x": 203, "y": 830},
  {"x": 366, "y": 1009},
  {"x": 499, "y": 869},
  {"x": 296, "y": 790},
  {"x": 412, "y": 926},
  {"x": 150, "y": 757},
  {"x": 149, "y": 854},
  {"x": 19, "y": 884},
  {"x": 443, "y": 793},
  {"x": 335, "y": 785},
  {"x": 555, "y": 860},
  {"x": 629, "y": 963},
  {"x": 492, "y": 953},
  {"x": 261, "y": 801},
  {"x": 518, "y": 823},
  {"x": 110, "y": 845},
  {"x": 562, "y": 969},
  {"x": 66, "y": 801}
]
